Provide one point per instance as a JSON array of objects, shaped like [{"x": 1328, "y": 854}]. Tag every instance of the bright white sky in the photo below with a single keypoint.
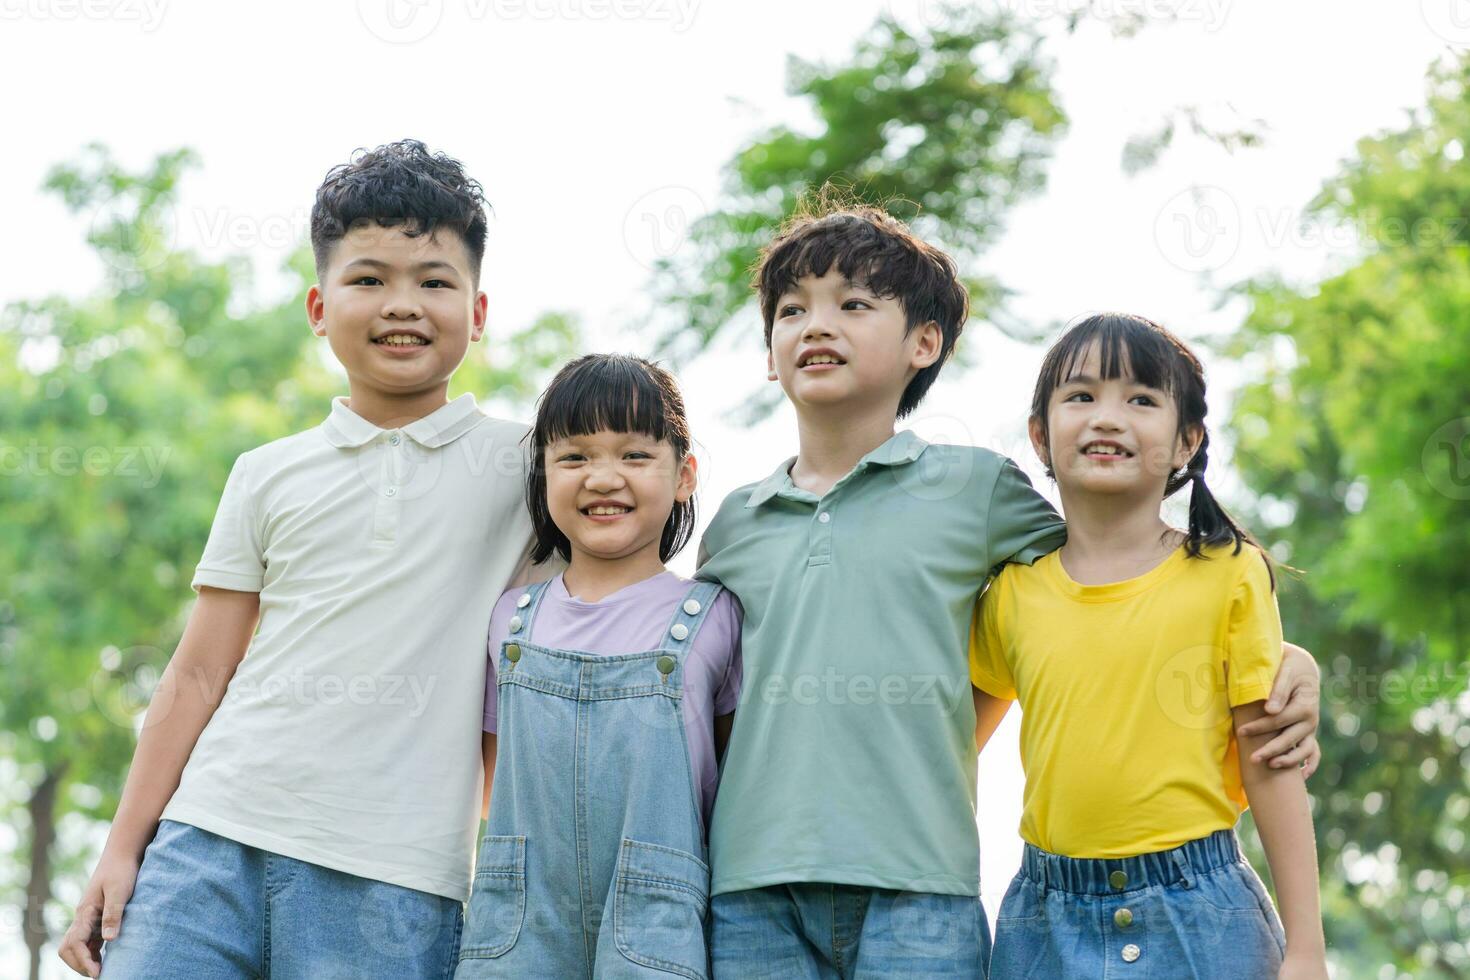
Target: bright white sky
[{"x": 592, "y": 123}]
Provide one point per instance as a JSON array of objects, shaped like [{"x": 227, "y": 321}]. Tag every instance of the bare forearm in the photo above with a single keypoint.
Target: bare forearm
[
  {"x": 191, "y": 689},
  {"x": 1283, "y": 814},
  {"x": 487, "y": 751},
  {"x": 989, "y": 712}
]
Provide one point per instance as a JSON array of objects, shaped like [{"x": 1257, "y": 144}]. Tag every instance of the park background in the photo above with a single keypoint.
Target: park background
[{"x": 1282, "y": 184}]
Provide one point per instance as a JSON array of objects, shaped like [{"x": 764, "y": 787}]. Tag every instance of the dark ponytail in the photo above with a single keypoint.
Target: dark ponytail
[{"x": 1148, "y": 352}]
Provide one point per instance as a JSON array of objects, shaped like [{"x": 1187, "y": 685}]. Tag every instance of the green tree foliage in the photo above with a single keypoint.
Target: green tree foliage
[
  {"x": 120, "y": 416},
  {"x": 947, "y": 128},
  {"x": 1356, "y": 437}
]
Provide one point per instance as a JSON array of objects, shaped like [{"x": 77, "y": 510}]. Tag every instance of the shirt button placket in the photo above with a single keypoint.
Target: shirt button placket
[{"x": 821, "y": 536}]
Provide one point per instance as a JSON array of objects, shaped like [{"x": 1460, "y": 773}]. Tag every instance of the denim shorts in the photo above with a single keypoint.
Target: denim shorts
[
  {"x": 1197, "y": 910},
  {"x": 208, "y": 908}
]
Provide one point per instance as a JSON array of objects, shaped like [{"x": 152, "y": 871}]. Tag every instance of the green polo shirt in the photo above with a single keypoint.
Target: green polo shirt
[{"x": 852, "y": 759}]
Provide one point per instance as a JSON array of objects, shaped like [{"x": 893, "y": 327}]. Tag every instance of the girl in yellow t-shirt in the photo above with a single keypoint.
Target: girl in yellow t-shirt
[{"x": 1135, "y": 650}]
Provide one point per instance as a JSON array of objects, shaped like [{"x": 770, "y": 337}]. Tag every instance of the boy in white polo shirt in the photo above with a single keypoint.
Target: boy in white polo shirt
[{"x": 307, "y": 793}]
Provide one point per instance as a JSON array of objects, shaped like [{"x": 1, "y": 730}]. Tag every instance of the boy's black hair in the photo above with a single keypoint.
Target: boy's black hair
[
  {"x": 399, "y": 184},
  {"x": 1137, "y": 347},
  {"x": 599, "y": 392},
  {"x": 871, "y": 247}
]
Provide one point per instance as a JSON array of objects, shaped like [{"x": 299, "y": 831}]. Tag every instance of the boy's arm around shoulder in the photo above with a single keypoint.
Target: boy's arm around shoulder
[
  {"x": 193, "y": 684},
  {"x": 1021, "y": 524}
]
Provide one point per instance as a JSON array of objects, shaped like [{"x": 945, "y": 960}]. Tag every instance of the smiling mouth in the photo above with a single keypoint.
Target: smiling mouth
[
  {"x": 400, "y": 340},
  {"x": 606, "y": 511},
  {"x": 1096, "y": 450},
  {"x": 820, "y": 361}
]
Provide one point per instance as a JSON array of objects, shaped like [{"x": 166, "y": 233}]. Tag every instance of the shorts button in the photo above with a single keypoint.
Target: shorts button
[
  {"x": 691, "y": 606},
  {"x": 523, "y": 601},
  {"x": 513, "y": 653},
  {"x": 1118, "y": 879},
  {"x": 679, "y": 631},
  {"x": 1123, "y": 918},
  {"x": 515, "y": 624},
  {"x": 666, "y": 665},
  {"x": 1131, "y": 953}
]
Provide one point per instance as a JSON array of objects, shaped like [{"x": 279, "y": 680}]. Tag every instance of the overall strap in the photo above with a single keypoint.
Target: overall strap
[
  {"x": 690, "y": 614},
  {"x": 526, "y": 605}
]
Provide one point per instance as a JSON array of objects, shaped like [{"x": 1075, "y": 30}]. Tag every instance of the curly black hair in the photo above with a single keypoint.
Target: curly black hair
[{"x": 399, "y": 184}]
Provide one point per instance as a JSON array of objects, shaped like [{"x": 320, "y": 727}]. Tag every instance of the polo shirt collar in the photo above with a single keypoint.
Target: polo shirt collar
[
  {"x": 901, "y": 448},
  {"x": 345, "y": 429}
]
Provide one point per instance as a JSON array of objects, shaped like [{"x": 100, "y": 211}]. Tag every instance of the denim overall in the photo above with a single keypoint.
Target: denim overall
[{"x": 593, "y": 863}]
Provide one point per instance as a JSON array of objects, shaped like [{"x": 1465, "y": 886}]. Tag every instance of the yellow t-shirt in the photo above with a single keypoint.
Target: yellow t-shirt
[{"x": 1127, "y": 738}]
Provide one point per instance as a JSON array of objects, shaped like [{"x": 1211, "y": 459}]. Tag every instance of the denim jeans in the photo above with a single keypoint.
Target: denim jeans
[
  {"x": 1195, "y": 911},
  {"x": 817, "y": 931},
  {"x": 205, "y": 907}
]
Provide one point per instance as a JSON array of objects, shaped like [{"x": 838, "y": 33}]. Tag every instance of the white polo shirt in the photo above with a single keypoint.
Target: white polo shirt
[{"x": 349, "y": 737}]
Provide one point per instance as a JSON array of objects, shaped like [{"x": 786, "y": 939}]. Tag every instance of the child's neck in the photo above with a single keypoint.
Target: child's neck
[
  {"x": 832, "y": 443},
  {"x": 1111, "y": 538},
  {"x": 390, "y": 411},
  {"x": 593, "y": 579}
]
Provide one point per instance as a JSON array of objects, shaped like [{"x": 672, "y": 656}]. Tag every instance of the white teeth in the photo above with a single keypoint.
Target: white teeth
[
  {"x": 821, "y": 359},
  {"x": 607, "y": 511},
  {"x": 402, "y": 340},
  {"x": 1104, "y": 451}
]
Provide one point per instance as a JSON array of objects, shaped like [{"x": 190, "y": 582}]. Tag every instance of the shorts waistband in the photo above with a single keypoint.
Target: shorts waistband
[{"x": 1113, "y": 876}]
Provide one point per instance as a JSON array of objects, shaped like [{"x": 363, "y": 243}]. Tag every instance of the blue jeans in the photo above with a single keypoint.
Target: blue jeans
[
  {"x": 817, "y": 931},
  {"x": 1195, "y": 911},
  {"x": 208, "y": 908}
]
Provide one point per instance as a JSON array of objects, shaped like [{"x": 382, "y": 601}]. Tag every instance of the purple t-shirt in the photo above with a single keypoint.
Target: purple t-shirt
[{"x": 632, "y": 620}]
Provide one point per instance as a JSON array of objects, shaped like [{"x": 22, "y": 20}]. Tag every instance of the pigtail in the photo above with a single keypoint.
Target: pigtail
[{"x": 1209, "y": 522}]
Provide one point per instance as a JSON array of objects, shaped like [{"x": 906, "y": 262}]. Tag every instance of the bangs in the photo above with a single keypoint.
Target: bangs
[
  {"x": 607, "y": 394},
  {"x": 859, "y": 253},
  {"x": 1127, "y": 347}
]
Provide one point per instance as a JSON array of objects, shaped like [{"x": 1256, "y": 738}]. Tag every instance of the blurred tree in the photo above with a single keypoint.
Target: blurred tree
[
  {"x": 120, "y": 416},
  {"x": 1356, "y": 439},
  {"x": 946, "y": 128}
]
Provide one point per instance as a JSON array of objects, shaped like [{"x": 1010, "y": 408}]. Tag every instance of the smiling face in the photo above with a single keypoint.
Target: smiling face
[
  {"x": 835, "y": 343},
  {"x": 611, "y": 493},
  {"x": 1111, "y": 436},
  {"x": 399, "y": 311}
]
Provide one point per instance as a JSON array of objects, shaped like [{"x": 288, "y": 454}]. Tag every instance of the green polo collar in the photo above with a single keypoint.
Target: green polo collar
[{"x": 901, "y": 448}]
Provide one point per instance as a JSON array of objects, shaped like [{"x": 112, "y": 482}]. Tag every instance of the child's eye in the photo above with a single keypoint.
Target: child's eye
[
  {"x": 366, "y": 280},
  {"x": 1147, "y": 399},
  {"x": 637, "y": 454},
  {"x": 1076, "y": 395},
  {"x": 438, "y": 284},
  {"x": 570, "y": 458},
  {"x": 791, "y": 309},
  {"x": 859, "y": 303}
]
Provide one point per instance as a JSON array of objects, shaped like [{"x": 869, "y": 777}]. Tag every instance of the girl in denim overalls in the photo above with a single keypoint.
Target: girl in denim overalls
[
  {"x": 1134, "y": 650},
  {"x": 609, "y": 696}
]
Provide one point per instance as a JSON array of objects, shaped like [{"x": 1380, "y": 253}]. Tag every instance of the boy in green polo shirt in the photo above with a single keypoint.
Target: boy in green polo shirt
[{"x": 843, "y": 841}]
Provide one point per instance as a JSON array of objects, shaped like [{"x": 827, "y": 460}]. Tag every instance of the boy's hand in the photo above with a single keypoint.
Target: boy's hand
[
  {"x": 1303, "y": 967},
  {"x": 1292, "y": 712},
  {"x": 99, "y": 914}
]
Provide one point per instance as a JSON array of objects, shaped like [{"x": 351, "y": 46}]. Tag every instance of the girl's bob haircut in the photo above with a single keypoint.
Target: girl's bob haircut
[{"x": 600, "y": 392}]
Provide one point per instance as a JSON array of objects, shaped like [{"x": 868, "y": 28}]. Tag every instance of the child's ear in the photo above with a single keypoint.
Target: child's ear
[
  {"x": 931, "y": 342},
  {"x": 1038, "y": 440},
  {"x": 316, "y": 310},
  {"x": 688, "y": 478},
  {"x": 1188, "y": 445},
  {"x": 771, "y": 365},
  {"x": 477, "y": 323}
]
